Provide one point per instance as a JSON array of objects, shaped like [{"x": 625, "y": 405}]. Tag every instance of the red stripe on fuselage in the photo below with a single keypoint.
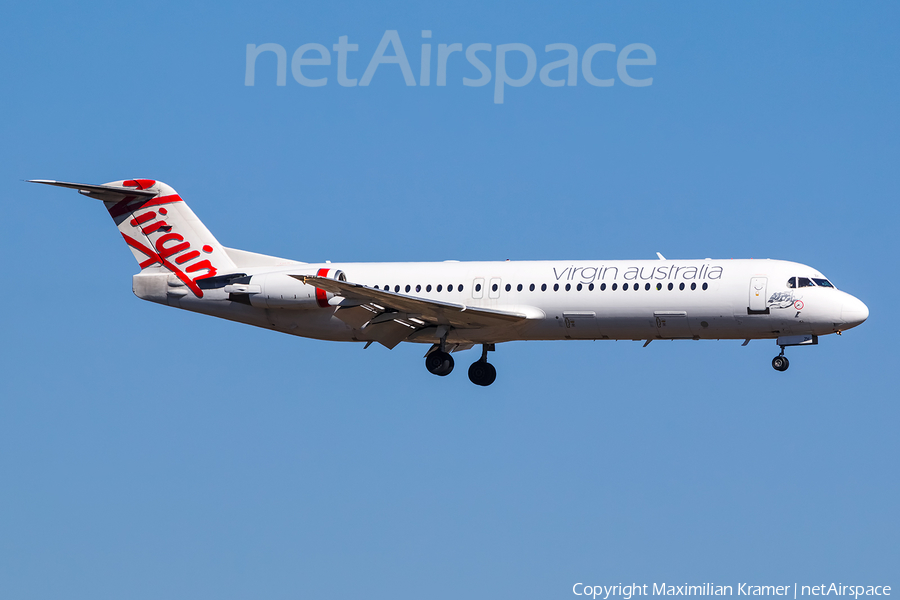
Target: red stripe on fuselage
[{"x": 322, "y": 295}]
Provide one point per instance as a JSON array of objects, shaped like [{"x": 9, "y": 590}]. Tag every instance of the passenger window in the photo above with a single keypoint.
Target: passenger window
[
  {"x": 615, "y": 285},
  {"x": 450, "y": 288},
  {"x": 658, "y": 286},
  {"x": 591, "y": 287},
  {"x": 578, "y": 287},
  {"x": 543, "y": 287},
  {"x": 531, "y": 288},
  {"x": 693, "y": 286},
  {"x": 418, "y": 288},
  {"x": 508, "y": 287},
  {"x": 681, "y": 286},
  {"x": 519, "y": 288},
  {"x": 407, "y": 288},
  {"x": 428, "y": 288},
  {"x": 477, "y": 287},
  {"x": 602, "y": 287},
  {"x": 397, "y": 288},
  {"x": 670, "y": 287},
  {"x": 646, "y": 287},
  {"x": 568, "y": 286},
  {"x": 624, "y": 287},
  {"x": 459, "y": 288},
  {"x": 440, "y": 287},
  {"x": 494, "y": 288},
  {"x": 555, "y": 287},
  {"x": 705, "y": 285}
]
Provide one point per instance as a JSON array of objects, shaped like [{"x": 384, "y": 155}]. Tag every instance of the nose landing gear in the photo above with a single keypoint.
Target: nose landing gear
[
  {"x": 482, "y": 372},
  {"x": 780, "y": 362}
]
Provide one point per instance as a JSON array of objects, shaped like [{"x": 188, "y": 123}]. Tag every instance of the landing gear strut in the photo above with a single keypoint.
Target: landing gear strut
[
  {"x": 482, "y": 372},
  {"x": 780, "y": 362}
]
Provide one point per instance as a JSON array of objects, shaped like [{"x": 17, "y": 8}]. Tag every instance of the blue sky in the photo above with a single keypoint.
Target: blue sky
[{"x": 148, "y": 453}]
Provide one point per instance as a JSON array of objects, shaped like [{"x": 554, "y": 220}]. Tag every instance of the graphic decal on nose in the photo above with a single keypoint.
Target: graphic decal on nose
[{"x": 780, "y": 300}]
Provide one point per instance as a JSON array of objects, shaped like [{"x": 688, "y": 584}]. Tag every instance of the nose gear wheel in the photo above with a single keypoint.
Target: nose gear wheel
[{"x": 780, "y": 362}]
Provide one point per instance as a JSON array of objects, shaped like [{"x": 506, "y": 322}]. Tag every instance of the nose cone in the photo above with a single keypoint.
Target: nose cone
[{"x": 853, "y": 312}]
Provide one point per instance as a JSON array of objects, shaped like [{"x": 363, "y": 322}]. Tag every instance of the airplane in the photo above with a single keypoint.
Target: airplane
[{"x": 452, "y": 305}]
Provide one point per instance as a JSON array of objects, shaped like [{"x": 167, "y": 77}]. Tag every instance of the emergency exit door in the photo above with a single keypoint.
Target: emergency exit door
[
  {"x": 494, "y": 290},
  {"x": 757, "y": 303}
]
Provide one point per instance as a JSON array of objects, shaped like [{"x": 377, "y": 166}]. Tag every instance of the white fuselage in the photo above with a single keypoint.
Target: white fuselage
[{"x": 637, "y": 300}]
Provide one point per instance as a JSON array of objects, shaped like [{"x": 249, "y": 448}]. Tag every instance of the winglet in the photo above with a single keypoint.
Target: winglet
[{"x": 661, "y": 257}]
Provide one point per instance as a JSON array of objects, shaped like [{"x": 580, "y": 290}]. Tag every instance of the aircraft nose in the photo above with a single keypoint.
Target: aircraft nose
[{"x": 854, "y": 312}]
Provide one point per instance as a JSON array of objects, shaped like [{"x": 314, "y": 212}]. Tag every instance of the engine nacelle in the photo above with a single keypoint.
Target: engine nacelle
[{"x": 280, "y": 290}]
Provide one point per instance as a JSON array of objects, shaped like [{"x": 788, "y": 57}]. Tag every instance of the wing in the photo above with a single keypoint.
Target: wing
[{"x": 389, "y": 318}]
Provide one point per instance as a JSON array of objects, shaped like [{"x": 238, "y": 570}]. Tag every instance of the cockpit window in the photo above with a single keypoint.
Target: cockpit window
[{"x": 799, "y": 282}]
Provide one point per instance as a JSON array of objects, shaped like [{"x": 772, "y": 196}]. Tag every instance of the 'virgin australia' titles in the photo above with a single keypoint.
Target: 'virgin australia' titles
[{"x": 646, "y": 273}]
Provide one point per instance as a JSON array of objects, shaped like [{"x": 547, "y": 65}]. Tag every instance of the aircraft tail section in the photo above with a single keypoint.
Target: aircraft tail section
[{"x": 163, "y": 233}]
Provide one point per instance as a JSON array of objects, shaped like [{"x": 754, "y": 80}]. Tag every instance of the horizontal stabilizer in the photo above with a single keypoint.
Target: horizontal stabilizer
[{"x": 106, "y": 190}]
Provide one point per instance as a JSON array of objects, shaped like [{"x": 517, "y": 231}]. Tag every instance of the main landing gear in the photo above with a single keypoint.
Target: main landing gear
[
  {"x": 439, "y": 362},
  {"x": 483, "y": 373},
  {"x": 780, "y": 362}
]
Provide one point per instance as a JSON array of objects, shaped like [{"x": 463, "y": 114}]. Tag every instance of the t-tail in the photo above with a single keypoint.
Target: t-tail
[{"x": 164, "y": 235}]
